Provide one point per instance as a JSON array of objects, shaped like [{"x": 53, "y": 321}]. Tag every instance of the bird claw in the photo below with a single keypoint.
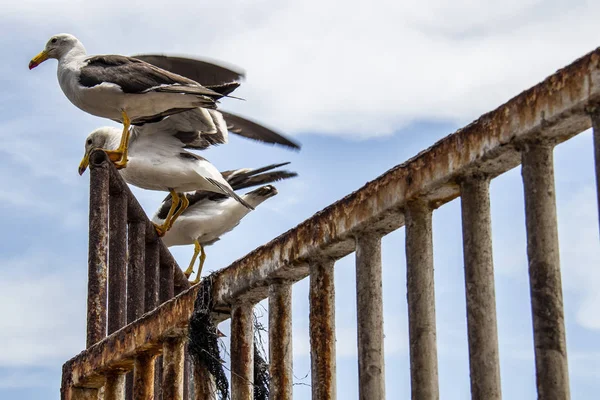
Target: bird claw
[{"x": 160, "y": 230}]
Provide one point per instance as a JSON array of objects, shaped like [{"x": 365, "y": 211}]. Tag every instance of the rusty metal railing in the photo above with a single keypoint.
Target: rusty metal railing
[
  {"x": 522, "y": 131},
  {"x": 130, "y": 271}
]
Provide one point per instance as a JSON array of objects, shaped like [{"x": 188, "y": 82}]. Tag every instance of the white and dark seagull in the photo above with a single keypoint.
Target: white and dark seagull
[
  {"x": 123, "y": 89},
  {"x": 158, "y": 159},
  {"x": 211, "y": 215}
]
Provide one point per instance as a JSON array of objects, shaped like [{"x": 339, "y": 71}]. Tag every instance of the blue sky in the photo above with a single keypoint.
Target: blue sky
[{"x": 363, "y": 86}]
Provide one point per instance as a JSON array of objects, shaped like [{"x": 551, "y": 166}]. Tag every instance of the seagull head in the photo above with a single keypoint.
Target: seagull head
[
  {"x": 261, "y": 194},
  {"x": 57, "y": 47},
  {"x": 106, "y": 138}
]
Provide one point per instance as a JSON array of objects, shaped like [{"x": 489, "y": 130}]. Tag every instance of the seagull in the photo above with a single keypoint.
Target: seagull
[
  {"x": 210, "y": 215},
  {"x": 158, "y": 159},
  {"x": 123, "y": 89}
]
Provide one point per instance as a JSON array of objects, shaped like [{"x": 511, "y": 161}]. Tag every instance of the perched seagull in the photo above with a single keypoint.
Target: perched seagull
[
  {"x": 158, "y": 159},
  {"x": 210, "y": 215},
  {"x": 124, "y": 89}
]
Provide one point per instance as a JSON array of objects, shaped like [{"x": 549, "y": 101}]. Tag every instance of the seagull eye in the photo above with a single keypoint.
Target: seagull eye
[
  {"x": 54, "y": 40},
  {"x": 89, "y": 142}
]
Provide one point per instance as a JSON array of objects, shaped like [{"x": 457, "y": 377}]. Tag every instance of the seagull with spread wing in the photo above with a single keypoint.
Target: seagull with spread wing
[
  {"x": 159, "y": 160},
  {"x": 123, "y": 89},
  {"x": 211, "y": 215}
]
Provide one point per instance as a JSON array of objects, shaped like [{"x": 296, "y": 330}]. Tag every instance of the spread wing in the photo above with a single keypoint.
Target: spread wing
[
  {"x": 223, "y": 80},
  {"x": 207, "y": 72},
  {"x": 237, "y": 179}
]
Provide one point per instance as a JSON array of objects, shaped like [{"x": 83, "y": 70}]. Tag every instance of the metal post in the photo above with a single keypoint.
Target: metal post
[
  {"x": 143, "y": 377},
  {"x": 173, "y": 360},
  {"x": 166, "y": 288},
  {"x": 595, "y": 115},
  {"x": 369, "y": 305},
  {"x": 242, "y": 352},
  {"x": 151, "y": 276},
  {"x": 98, "y": 245},
  {"x": 135, "y": 282},
  {"x": 204, "y": 384},
  {"x": 280, "y": 340},
  {"x": 421, "y": 302},
  {"x": 117, "y": 262},
  {"x": 114, "y": 388},
  {"x": 552, "y": 374},
  {"x": 322, "y": 331},
  {"x": 135, "y": 270},
  {"x": 479, "y": 287}
]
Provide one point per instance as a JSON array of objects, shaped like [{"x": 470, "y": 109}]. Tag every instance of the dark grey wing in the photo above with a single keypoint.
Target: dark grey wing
[
  {"x": 197, "y": 128},
  {"x": 252, "y": 130},
  {"x": 207, "y": 72},
  {"x": 238, "y": 179},
  {"x": 246, "y": 177},
  {"x": 136, "y": 76}
]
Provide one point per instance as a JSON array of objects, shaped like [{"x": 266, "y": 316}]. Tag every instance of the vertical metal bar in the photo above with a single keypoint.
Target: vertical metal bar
[
  {"x": 204, "y": 384},
  {"x": 151, "y": 276},
  {"x": 143, "y": 377},
  {"x": 158, "y": 392},
  {"x": 552, "y": 374},
  {"x": 369, "y": 301},
  {"x": 117, "y": 262},
  {"x": 484, "y": 360},
  {"x": 186, "y": 374},
  {"x": 166, "y": 289},
  {"x": 135, "y": 282},
  {"x": 97, "y": 256},
  {"x": 595, "y": 115},
  {"x": 173, "y": 367},
  {"x": 242, "y": 352},
  {"x": 322, "y": 331},
  {"x": 151, "y": 298},
  {"x": 114, "y": 388},
  {"x": 421, "y": 302},
  {"x": 135, "y": 270},
  {"x": 75, "y": 393},
  {"x": 280, "y": 341}
]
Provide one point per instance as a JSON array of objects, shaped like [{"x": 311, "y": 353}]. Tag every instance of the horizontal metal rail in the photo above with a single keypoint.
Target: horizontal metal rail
[{"x": 551, "y": 112}]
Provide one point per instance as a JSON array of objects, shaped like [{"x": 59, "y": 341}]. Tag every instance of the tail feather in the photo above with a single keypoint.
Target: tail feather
[
  {"x": 230, "y": 193},
  {"x": 245, "y": 177}
]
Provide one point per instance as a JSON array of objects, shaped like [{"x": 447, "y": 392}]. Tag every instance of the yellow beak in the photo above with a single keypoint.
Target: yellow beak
[
  {"x": 85, "y": 161},
  {"x": 37, "y": 60}
]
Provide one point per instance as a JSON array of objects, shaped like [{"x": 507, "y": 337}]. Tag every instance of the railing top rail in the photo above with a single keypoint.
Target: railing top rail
[{"x": 554, "y": 110}]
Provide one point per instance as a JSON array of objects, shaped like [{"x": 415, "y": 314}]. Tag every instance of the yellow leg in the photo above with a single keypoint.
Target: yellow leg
[
  {"x": 119, "y": 156},
  {"x": 162, "y": 229},
  {"x": 190, "y": 269},
  {"x": 183, "y": 204},
  {"x": 202, "y": 259}
]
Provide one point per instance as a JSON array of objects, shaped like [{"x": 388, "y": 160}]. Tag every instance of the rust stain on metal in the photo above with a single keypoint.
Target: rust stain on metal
[
  {"x": 117, "y": 263},
  {"x": 135, "y": 270},
  {"x": 242, "y": 352},
  {"x": 143, "y": 377},
  {"x": 173, "y": 360},
  {"x": 556, "y": 104},
  {"x": 322, "y": 331},
  {"x": 280, "y": 340},
  {"x": 151, "y": 275},
  {"x": 98, "y": 253},
  {"x": 114, "y": 389}
]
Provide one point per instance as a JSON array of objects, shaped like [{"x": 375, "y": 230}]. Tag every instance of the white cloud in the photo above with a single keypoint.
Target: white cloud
[
  {"x": 580, "y": 253},
  {"x": 353, "y": 68},
  {"x": 43, "y": 311}
]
